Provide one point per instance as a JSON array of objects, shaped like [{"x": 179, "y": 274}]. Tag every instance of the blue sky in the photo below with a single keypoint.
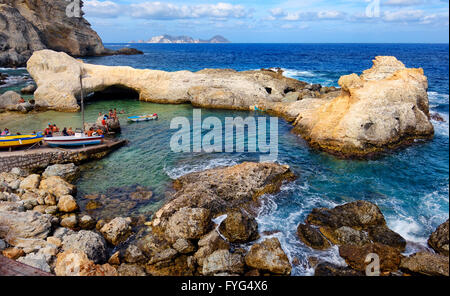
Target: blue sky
[{"x": 270, "y": 21}]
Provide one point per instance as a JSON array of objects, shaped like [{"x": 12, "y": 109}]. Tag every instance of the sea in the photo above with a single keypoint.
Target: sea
[{"x": 410, "y": 185}]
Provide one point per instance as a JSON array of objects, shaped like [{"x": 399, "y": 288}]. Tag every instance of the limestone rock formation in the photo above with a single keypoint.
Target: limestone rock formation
[
  {"x": 57, "y": 77},
  {"x": 385, "y": 107},
  {"x": 424, "y": 263},
  {"x": 269, "y": 256}
]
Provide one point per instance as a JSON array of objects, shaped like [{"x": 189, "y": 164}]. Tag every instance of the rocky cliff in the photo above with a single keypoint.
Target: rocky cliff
[
  {"x": 385, "y": 107},
  {"x": 30, "y": 25}
]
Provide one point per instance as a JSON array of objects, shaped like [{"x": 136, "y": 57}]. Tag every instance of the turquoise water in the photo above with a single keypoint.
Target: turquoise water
[{"x": 410, "y": 185}]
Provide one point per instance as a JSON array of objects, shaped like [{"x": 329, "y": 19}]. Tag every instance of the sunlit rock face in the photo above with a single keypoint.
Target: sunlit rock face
[{"x": 385, "y": 107}]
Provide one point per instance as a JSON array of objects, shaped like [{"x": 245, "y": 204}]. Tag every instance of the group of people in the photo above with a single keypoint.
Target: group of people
[
  {"x": 53, "y": 129},
  {"x": 5, "y": 132}
]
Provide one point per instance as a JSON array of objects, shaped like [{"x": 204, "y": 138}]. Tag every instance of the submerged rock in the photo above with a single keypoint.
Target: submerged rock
[
  {"x": 439, "y": 239},
  {"x": 269, "y": 256},
  {"x": 312, "y": 237}
]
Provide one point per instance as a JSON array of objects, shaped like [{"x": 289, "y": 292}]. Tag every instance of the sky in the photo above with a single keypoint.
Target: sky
[{"x": 270, "y": 21}]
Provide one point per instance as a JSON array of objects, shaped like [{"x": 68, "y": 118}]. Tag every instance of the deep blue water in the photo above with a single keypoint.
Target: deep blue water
[{"x": 410, "y": 185}]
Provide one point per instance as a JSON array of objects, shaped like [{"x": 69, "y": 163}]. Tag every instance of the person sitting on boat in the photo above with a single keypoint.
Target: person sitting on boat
[
  {"x": 111, "y": 114},
  {"x": 90, "y": 132},
  {"x": 65, "y": 133},
  {"x": 5, "y": 132},
  {"x": 114, "y": 114},
  {"x": 55, "y": 129},
  {"x": 70, "y": 132},
  {"x": 48, "y": 132},
  {"x": 21, "y": 100},
  {"x": 99, "y": 132}
]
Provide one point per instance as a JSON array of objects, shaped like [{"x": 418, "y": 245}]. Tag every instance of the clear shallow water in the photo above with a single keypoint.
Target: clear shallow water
[{"x": 411, "y": 185}]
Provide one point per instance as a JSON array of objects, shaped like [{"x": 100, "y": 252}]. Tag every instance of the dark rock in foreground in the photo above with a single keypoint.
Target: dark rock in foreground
[{"x": 439, "y": 239}]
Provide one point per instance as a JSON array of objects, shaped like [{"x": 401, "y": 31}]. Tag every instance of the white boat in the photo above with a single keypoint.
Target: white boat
[
  {"x": 77, "y": 140},
  {"x": 143, "y": 118}
]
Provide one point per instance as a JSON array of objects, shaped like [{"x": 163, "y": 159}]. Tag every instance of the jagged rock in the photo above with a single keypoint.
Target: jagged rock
[
  {"x": 329, "y": 269},
  {"x": 424, "y": 263},
  {"x": 20, "y": 172},
  {"x": 181, "y": 266},
  {"x": 269, "y": 256},
  {"x": 76, "y": 263},
  {"x": 312, "y": 237},
  {"x": 31, "y": 182},
  {"x": 188, "y": 223},
  {"x": 355, "y": 256},
  {"x": 239, "y": 227},
  {"x": 152, "y": 244},
  {"x": 117, "y": 231},
  {"x": 57, "y": 186},
  {"x": 439, "y": 239},
  {"x": 70, "y": 222},
  {"x": 69, "y": 172},
  {"x": 219, "y": 190},
  {"x": 87, "y": 222},
  {"x": 385, "y": 236},
  {"x": 13, "y": 253},
  {"x": 24, "y": 225},
  {"x": 35, "y": 260},
  {"x": 89, "y": 242},
  {"x": 54, "y": 241},
  {"x": 67, "y": 204},
  {"x": 131, "y": 270},
  {"x": 358, "y": 214},
  {"x": 114, "y": 259},
  {"x": 387, "y": 106},
  {"x": 3, "y": 245},
  {"x": 208, "y": 245},
  {"x": 345, "y": 236},
  {"x": 164, "y": 256},
  {"x": 12, "y": 206},
  {"x": 223, "y": 261}
]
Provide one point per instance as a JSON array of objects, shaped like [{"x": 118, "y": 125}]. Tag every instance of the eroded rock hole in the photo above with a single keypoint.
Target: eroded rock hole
[{"x": 115, "y": 92}]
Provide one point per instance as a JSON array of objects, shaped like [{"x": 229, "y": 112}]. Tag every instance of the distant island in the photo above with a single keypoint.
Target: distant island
[{"x": 183, "y": 39}]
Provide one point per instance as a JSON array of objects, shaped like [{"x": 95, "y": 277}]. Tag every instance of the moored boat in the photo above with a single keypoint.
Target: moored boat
[
  {"x": 77, "y": 140},
  {"x": 139, "y": 118},
  {"x": 19, "y": 140}
]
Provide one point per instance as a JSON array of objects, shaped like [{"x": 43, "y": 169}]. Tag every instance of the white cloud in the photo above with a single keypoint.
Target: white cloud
[
  {"x": 168, "y": 11},
  {"x": 403, "y": 2},
  {"x": 102, "y": 9},
  {"x": 403, "y": 16},
  {"x": 280, "y": 14}
]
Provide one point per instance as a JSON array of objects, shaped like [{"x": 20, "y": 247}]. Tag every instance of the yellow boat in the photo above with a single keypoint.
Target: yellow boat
[{"x": 20, "y": 140}]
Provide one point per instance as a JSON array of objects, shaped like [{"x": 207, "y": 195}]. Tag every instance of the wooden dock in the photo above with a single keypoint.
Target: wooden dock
[{"x": 10, "y": 267}]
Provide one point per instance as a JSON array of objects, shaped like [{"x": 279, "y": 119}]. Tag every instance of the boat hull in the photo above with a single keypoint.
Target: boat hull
[
  {"x": 19, "y": 141},
  {"x": 73, "y": 141},
  {"x": 143, "y": 118}
]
